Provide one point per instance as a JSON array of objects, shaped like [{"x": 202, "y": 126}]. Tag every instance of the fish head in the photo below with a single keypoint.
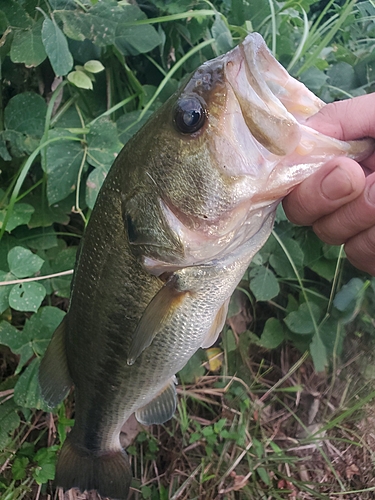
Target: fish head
[{"x": 216, "y": 159}]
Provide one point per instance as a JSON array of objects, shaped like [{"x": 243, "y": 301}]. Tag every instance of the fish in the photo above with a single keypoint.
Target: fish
[{"x": 186, "y": 205}]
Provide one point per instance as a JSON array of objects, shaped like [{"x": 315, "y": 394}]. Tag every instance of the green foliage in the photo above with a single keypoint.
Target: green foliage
[
  {"x": 263, "y": 283},
  {"x": 22, "y": 262},
  {"x": 10, "y": 420},
  {"x": 27, "y": 46},
  {"x": 45, "y": 460},
  {"x": 273, "y": 334},
  {"x": 56, "y": 46},
  {"x": 79, "y": 78}
]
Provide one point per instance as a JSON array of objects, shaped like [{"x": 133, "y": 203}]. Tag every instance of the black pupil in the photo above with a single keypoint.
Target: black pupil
[{"x": 189, "y": 115}]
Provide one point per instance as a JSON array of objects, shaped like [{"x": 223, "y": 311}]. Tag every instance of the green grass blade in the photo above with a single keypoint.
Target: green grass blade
[
  {"x": 302, "y": 43},
  {"x": 347, "y": 9}
]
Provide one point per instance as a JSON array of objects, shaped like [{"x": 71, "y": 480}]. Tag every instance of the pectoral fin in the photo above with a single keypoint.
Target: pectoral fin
[
  {"x": 216, "y": 326},
  {"x": 54, "y": 377},
  {"x": 155, "y": 316},
  {"x": 161, "y": 408}
]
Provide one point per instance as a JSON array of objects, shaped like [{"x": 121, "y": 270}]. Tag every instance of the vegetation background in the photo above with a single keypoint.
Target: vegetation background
[{"x": 258, "y": 417}]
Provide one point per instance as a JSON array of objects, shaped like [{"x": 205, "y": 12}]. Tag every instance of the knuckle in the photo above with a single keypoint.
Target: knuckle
[
  {"x": 360, "y": 250},
  {"x": 348, "y": 220},
  {"x": 330, "y": 229}
]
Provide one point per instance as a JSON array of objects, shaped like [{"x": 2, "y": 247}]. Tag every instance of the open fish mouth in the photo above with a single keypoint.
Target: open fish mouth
[
  {"x": 281, "y": 92},
  {"x": 266, "y": 117},
  {"x": 272, "y": 132}
]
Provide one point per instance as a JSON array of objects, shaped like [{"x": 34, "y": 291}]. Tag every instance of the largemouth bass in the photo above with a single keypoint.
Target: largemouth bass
[{"x": 186, "y": 205}]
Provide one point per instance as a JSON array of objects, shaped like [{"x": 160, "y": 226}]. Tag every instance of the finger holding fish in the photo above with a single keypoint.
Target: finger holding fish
[
  {"x": 360, "y": 250},
  {"x": 348, "y": 120},
  {"x": 337, "y": 200},
  {"x": 337, "y": 183},
  {"x": 344, "y": 223}
]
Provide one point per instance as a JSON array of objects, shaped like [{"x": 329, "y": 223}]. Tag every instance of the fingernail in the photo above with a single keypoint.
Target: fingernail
[
  {"x": 371, "y": 193},
  {"x": 337, "y": 184}
]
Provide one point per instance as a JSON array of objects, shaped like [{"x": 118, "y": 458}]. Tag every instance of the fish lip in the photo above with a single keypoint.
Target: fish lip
[
  {"x": 255, "y": 52},
  {"x": 265, "y": 116},
  {"x": 285, "y": 94},
  {"x": 280, "y": 93},
  {"x": 248, "y": 57},
  {"x": 263, "y": 132}
]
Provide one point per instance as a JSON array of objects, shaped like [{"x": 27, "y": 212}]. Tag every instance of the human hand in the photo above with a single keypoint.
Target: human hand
[{"x": 339, "y": 200}]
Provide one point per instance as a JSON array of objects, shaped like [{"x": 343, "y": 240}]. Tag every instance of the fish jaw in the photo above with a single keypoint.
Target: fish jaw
[
  {"x": 266, "y": 121},
  {"x": 277, "y": 88}
]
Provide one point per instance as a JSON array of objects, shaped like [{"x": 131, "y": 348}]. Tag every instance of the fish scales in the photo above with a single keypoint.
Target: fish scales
[{"x": 188, "y": 202}]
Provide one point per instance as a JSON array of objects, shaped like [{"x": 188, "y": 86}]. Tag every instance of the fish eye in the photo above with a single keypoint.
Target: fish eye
[{"x": 189, "y": 115}]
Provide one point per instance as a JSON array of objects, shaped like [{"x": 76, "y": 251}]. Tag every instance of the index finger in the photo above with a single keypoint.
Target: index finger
[{"x": 348, "y": 120}]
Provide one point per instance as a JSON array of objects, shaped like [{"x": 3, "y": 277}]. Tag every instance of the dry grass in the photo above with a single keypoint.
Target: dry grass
[
  {"x": 310, "y": 437},
  {"x": 317, "y": 442}
]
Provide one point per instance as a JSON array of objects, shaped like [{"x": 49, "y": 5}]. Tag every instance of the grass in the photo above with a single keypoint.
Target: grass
[
  {"x": 263, "y": 425},
  {"x": 310, "y": 438},
  {"x": 232, "y": 438}
]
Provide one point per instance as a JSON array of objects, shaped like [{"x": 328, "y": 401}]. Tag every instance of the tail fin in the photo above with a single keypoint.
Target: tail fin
[{"x": 108, "y": 473}]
